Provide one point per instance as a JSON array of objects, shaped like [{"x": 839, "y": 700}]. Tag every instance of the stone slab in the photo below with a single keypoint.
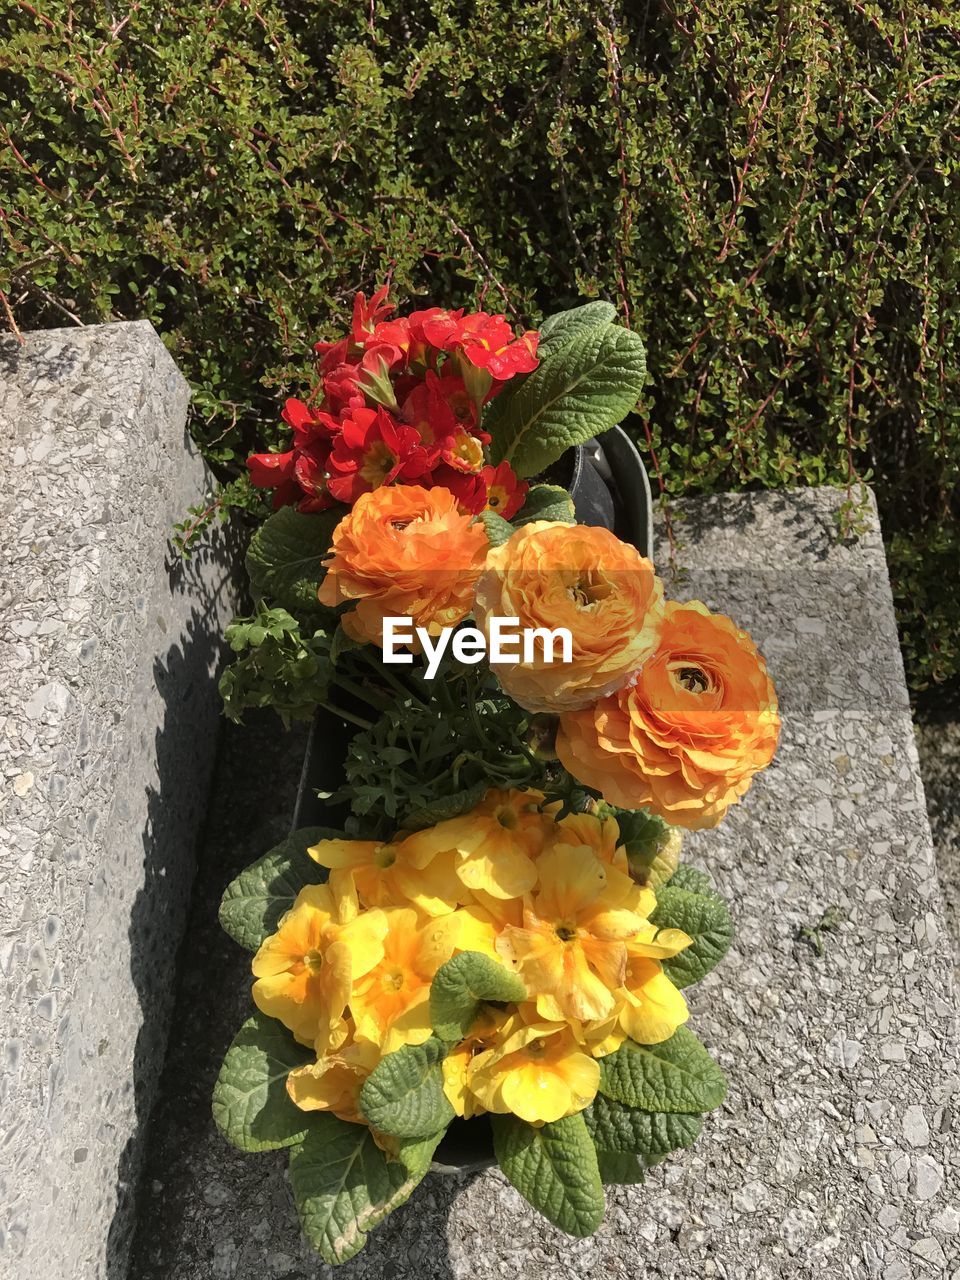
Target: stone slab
[
  {"x": 833, "y": 1153},
  {"x": 108, "y": 728}
]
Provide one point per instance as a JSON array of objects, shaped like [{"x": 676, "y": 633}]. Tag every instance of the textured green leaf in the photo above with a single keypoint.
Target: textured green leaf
[
  {"x": 559, "y": 328},
  {"x": 462, "y": 985},
  {"x": 251, "y": 1106},
  {"x": 498, "y": 530},
  {"x": 706, "y": 919},
  {"x": 579, "y": 390},
  {"x": 440, "y": 810},
  {"x": 651, "y": 1134},
  {"x": 253, "y": 903},
  {"x": 677, "y": 1075},
  {"x": 284, "y": 557},
  {"x": 619, "y": 1168},
  {"x": 555, "y": 1168},
  {"x": 417, "y": 1153},
  {"x": 343, "y": 1185},
  {"x": 546, "y": 502},
  {"x": 652, "y": 845},
  {"x": 692, "y": 879},
  {"x": 403, "y": 1095}
]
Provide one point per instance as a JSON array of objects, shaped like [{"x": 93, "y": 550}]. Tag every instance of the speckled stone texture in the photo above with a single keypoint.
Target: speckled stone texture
[
  {"x": 833, "y": 1152},
  {"x": 107, "y": 734}
]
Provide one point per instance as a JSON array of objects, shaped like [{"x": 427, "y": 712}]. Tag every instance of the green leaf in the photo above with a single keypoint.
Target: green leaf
[
  {"x": 342, "y": 643},
  {"x": 652, "y": 845},
  {"x": 546, "y": 502},
  {"x": 498, "y": 530},
  {"x": 677, "y": 1075},
  {"x": 253, "y": 903},
  {"x": 283, "y": 560},
  {"x": 462, "y": 985},
  {"x": 417, "y": 1153},
  {"x": 251, "y": 1106},
  {"x": 554, "y": 1167},
  {"x": 403, "y": 1095},
  {"x": 692, "y": 879},
  {"x": 619, "y": 1168},
  {"x": 706, "y": 919},
  {"x": 651, "y": 1134},
  {"x": 580, "y": 390},
  {"x": 559, "y": 328},
  {"x": 451, "y": 806},
  {"x": 343, "y": 1185}
]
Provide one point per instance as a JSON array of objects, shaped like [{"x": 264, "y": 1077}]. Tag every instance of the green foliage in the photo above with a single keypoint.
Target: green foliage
[
  {"x": 677, "y": 1075},
  {"x": 554, "y": 1167},
  {"x": 498, "y": 530},
  {"x": 584, "y": 385},
  {"x": 403, "y": 1095},
  {"x": 619, "y": 1168},
  {"x": 250, "y": 1102},
  {"x": 277, "y": 666},
  {"x": 283, "y": 561},
  {"x": 771, "y": 203},
  {"x": 254, "y": 902},
  {"x": 546, "y": 502},
  {"x": 435, "y": 749},
  {"x": 650, "y": 1134},
  {"x": 705, "y": 917},
  {"x": 343, "y": 1185},
  {"x": 462, "y": 985},
  {"x": 652, "y": 845}
]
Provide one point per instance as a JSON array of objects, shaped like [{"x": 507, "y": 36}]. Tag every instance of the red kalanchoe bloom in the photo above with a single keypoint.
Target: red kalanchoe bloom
[
  {"x": 486, "y": 342},
  {"x": 367, "y": 315},
  {"x": 373, "y": 449},
  {"x": 468, "y": 488},
  {"x": 506, "y": 492},
  {"x": 298, "y": 475},
  {"x": 463, "y": 452}
]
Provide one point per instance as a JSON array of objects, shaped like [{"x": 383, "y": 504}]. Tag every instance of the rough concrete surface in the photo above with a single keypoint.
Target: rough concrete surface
[
  {"x": 938, "y": 744},
  {"x": 833, "y": 1152},
  {"x": 107, "y": 734}
]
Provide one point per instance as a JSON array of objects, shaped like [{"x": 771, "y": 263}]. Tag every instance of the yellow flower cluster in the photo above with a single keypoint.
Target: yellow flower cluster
[{"x": 350, "y": 967}]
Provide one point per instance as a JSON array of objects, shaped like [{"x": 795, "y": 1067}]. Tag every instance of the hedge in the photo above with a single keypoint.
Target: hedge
[{"x": 768, "y": 191}]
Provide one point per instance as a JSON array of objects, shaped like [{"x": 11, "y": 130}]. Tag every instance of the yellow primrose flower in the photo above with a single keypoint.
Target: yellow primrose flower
[
  {"x": 334, "y": 1081},
  {"x": 394, "y": 872},
  {"x": 653, "y": 1007},
  {"x": 391, "y": 1003},
  {"x": 600, "y": 835},
  {"x": 601, "y": 1036},
  {"x": 537, "y": 1070},
  {"x": 484, "y": 919},
  {"x": 458, "y": 1064},
  {"x": 571, "y": 950},
  {"x": 495, "y": 842},
  {"x": 304, "y": 971}
]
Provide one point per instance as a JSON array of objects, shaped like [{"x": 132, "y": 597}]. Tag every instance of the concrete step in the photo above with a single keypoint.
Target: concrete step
[
  {"x": 833, "y": 1015},
  {"x": 107, "y": 736}
]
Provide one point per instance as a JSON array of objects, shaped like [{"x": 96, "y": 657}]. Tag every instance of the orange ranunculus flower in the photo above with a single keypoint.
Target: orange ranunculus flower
[
  {"x": 685, "y": 739},
  {"x": 551, "y": 575},
  {"x": 404, "y": 551}
]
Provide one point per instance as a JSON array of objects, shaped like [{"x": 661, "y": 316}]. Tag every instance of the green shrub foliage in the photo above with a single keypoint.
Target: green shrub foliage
[{"x": 767, "y": 194}]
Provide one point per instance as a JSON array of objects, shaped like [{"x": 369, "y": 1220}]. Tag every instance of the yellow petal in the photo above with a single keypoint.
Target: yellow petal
[{"x": 343, "y": 853}]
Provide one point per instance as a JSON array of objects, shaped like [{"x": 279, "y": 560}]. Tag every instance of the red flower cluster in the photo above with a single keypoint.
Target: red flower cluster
[{"x": 399, "y": 403}]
